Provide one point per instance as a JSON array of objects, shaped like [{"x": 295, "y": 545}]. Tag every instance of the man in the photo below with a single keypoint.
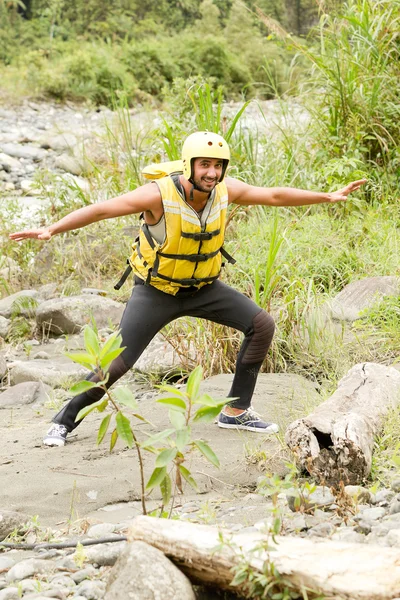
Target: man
[{"x": 177, "y": 262}]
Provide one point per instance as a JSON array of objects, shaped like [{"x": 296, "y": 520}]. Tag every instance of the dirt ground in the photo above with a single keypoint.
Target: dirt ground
[{"x": 83, "y": 480}]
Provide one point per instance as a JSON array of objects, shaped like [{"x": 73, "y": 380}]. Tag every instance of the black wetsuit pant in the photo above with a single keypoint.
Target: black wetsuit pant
[{"x": 149, "y": 310}]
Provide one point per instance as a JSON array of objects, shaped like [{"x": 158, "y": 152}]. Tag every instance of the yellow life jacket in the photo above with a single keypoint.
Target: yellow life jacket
[{"x": 191, "y": 252}]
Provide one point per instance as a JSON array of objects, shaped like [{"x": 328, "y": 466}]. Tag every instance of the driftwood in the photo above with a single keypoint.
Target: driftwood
[
  {"x": 339, "y": 570},
  {"x": 335, "y": 442}
]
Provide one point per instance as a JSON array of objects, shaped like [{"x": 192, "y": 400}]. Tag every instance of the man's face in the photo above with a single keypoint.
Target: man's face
[{"x": 207, "y": 173}]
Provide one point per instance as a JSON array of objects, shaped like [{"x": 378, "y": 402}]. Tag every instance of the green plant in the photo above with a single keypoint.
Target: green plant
[{"x": 171, "y": 446}]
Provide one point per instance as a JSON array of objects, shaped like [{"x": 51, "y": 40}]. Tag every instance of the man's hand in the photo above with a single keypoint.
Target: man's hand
[
  {"x": 342, "y": 194},
  {"x": 35, "y": 234}
]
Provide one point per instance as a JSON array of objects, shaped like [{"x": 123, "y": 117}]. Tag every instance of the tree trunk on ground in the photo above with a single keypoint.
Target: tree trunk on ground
[
  {"x": 335, "y": 442},
  {"x": 338, "y": 570}
]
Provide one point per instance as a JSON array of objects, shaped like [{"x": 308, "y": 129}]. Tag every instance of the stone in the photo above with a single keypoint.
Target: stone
[
  {"x": 3, "y": 368},
  {"x": 29, "y": 392},
  {"x": 10, "y": 303},
  {"x": 62, "y": 141},
  {"x": 104, "y": 555},
  {"x": 360, "y": 295},
  {"x": 145, "y": 573},
  {"x": 70, "y": 314},
  {"x": 56, "y": 372},
  {"x": 70, "y": 164},
  {"x": 10, "y": 593},
  {"x": 101, "y": 530},
  {"x": 347, "y": 534},
  {"x": 159, "y": 357},
  {"x": 395, "y": 486},
  {"x": 321, "y": 497},
  {"x": 4, "y": 326},
  {"x": 371, "y": 514},
  {"x": 8, "y": 163},
  {"x": 29, "y": 568},
  {"x": 358, "y": 493},
  {"x": 92, "y": 590},
  {"x": 11, "y": 521},
  {"x": 24, "y": 151}
]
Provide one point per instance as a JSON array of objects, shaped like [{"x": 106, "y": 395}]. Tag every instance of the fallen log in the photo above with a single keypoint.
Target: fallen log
[
  {"x": 338, "y": 570},
  {"x": 335, "y": 442}
]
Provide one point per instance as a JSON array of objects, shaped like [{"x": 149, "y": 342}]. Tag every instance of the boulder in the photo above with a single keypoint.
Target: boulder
[
  {"x": 4, "y": 326},
  {"x": 6, "y": 304},
  {"x": 145, "y": 573},
  {"x": 11, "y": 521},
  {"x": 56, "y": 372},
  {"x": 70, "y": 314},
  {"x": 360, "y": 295},
  {"x": 24, "y": 151},
  {"x": 29, "y": 392}
]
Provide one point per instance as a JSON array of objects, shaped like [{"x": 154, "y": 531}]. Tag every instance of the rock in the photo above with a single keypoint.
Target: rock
[
  {"x": 347, "y": 534},
  {"x": 360, "y": 295},
  {"x": 70, "y": 314},
  {"x": 159, "y": 357},
  {"x": 29, "y": 568},
  {"x": 70, "y": 164},
  {"x": 321, "y": 497},
  {"x": 28, "y": 186},
  {"x": 10, "y": 593},
  {"x": 24, "y": 151},
  {"x": 4, "y": 327},
  {"x": 55, "y": 372},
  {"x": 6, "y": 304},
  {"x": 91, "y": 590},
  {"x": 3, "y": 368},
  {"x": 30, "y": 392},
  {"x": 145, "y": 573},
  {"x": 11, "y": 521},
  {"x": 8, "y": 163},
  {"x": 104, "y": 555},
  {"x": 62, "y": 141},
  {"x": 395, "y": 486},
  {"x": 101, "y": 530},
  {"x": 358, "y": 493}
]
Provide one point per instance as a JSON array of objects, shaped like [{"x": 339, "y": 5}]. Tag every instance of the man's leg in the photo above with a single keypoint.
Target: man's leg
[
  {"x": 223, "y": 304},
  {"x": 147, "y": 311}
]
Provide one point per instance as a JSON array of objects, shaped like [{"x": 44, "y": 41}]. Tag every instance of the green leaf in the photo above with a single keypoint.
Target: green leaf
[
  {"x": 124, "y": 428},
  {"x": 110, "y": 356},
  {"x": 177, "y": 419},
  {"x": 103, "y": 429},
  {"x": 85, "y": 360},
  {"x": 156, "y": 477},
  {"x": 171, "y": 390},
  {"x": 166, "y": 489},
  {"x": 207, "y": 452},
  {"x": 176, "y": 403},
  {"x": 186, "y": 474},
  {"x": 103, "y": 405},
  {"x": 166, "y": 456},
  {"x": 99, "y": 405},
  {"x": 193, "y": 383},
  {"x": 207, "y": 413},
  {"x": 113, "y": 441},
  {"x": 82, "y": 386},
  {"x": 207, "y": 400},
  {"x": 182, "y": 438},
  {"x": 113, "y": 342},
  {"x": 91, "y": 341},
  {"x": 157, "y": 437},
  {"x": 125, "y": 396}
]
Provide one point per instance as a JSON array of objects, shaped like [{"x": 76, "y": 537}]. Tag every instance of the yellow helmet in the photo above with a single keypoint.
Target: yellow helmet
[{"x": 204, "y": 144}]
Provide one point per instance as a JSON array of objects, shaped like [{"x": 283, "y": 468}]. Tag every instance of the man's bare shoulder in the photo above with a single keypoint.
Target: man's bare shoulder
[{"x": 236, "y": 188}]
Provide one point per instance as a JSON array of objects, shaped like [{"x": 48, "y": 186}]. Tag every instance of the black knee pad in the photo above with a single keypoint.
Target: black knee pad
[{"x": 259, "y": 338}]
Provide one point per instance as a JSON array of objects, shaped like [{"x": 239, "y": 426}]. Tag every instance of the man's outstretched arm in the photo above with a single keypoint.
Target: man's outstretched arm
[
  {"x": 248, "y": 195},
  {"x": 144, "y": 198}
]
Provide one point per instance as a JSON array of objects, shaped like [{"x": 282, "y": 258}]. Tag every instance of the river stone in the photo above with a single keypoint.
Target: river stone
[
  {"x": 145, "y": 573},
  {"x": 4, "y": 326},
  {"x": 10, "y": 593},
  {"x": 6, "y": 304},
  {"x": 10, "y": 521},
  {"x": 23, "y": 151},
  {"x": 3, "y": 367},
  {"x": 60, "y": 142},
  {"x": 70, "y": 164},
  {"x": 104, "y": 555},
  {"x": 70, "y": 314},
  {"x": 360, "y": 295},
  {"x": 56, "y": 372},
  {"x": 29, "y": 568},
  {"x": 8, "y": 163},
  {"x": 29, "y": 392}
]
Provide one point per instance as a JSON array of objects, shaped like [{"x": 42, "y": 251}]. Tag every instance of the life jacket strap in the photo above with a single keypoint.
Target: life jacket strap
[
  {"x": 189, "y": 281},
  {"x": 191, "y": 257},
  {"x": 124, "y": 277},
  {"x": 228, "y": 257},
  {"x": 200, "y": 235}
]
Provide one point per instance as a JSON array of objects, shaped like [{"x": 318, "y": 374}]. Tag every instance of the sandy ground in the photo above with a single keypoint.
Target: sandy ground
[{"x": 82, "y": 480}]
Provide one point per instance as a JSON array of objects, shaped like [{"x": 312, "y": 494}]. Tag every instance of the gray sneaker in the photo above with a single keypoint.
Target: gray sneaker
[
  {"x": 249, "y": 420},
  {"x": 56, "y": 435}
]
